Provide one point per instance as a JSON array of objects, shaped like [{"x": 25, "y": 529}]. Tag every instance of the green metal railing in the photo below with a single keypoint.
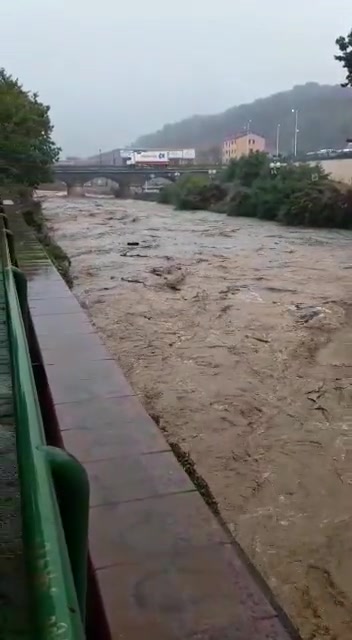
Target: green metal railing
[{"x": 54, "y": 486}]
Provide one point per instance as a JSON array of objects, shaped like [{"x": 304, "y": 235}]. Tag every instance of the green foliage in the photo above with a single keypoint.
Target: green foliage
[
  {"x": 288, "y": 181},
  {"x": 247, "y": 169},
  {"x": 26, "y": 148},
  {"x": 345, "y": 56},
  {"x": 195, "y": 192},
  {"x": 167, "y": 194},
  {"x": 229, "y": 174},
  {"x": 251, "y": 187},
  {"x": 241, "y": 203},
  {"x": 271, "y": 193},
  {"x": 318, "y": 204},
  {"x": 324, "y": 121},
  {"x": 267, "y": 197}
]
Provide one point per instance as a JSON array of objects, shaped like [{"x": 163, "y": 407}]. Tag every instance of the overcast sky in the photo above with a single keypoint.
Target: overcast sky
[{"x": 114, "y": 69}]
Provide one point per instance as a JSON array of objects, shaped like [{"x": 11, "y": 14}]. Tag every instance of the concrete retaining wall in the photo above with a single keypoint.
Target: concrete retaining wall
[{"x": 340, "y": 170}]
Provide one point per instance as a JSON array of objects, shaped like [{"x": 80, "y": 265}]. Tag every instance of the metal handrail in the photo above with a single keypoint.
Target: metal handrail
[{"x": 58, "y": 596}]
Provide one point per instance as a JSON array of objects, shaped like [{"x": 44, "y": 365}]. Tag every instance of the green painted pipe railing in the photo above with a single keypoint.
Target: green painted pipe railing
[{"x": 54, "y": 487}]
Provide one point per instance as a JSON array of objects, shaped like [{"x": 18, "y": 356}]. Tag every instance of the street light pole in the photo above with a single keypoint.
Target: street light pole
[
  {"x": 278, "y": 140},
  {"x": 248, "y": 131},
  {"x": 295, "y": 140}
]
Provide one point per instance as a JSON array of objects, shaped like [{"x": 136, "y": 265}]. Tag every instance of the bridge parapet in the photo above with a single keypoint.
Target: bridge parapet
[{"x": 67, "y": 173}]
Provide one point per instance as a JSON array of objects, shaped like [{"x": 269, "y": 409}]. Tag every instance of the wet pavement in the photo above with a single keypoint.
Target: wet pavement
[{"x": 237, "y": 336}]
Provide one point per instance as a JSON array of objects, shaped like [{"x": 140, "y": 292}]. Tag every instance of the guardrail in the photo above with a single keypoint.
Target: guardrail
[
  {"x": 101, "y": 170},
  {"x": 54, "y": 486}
]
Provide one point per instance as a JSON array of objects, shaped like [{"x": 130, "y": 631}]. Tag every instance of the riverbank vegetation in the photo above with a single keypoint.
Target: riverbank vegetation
[
  {"x": 27, "y": 150},
  {"x": 344, "y": 45},
  {"x": 299, "y": 195}
]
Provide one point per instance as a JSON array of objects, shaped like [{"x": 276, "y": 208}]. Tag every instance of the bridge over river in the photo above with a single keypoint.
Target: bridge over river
[
  {"x": 161, "y": 565},
  {"x": 77, "y": 175},
  {"x": 125, "y": 177}
]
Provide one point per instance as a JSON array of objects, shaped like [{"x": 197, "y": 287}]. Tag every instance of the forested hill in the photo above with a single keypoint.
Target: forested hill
[{"x": 325, "y": 121}]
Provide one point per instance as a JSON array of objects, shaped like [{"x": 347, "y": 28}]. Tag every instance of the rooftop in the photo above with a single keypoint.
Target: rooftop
[{"x": 243, "y": 134}]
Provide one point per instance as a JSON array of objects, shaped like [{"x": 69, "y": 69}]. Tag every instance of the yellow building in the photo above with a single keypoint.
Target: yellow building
[{"x": 241, "y": 145}]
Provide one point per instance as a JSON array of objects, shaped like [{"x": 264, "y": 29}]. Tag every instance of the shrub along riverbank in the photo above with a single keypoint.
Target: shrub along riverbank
[{"x": 295, "y": 195}]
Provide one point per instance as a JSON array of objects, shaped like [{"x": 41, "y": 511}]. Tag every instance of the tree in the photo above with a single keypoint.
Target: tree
[
  {"x": 247, "y": 169},
  {"x": 345, "y": 46},
  {"x": 27, "y": 150}
]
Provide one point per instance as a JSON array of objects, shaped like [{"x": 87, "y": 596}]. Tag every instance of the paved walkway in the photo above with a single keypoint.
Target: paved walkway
[{"x": 165, "y": 567}]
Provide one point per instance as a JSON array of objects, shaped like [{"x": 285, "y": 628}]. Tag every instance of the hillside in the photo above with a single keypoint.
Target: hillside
[{"x": 325, "y": 121}]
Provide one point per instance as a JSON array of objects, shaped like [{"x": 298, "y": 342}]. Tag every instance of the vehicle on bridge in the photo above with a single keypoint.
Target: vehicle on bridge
[
  {"x": 160, "y": 158},
  {"x": 148, "y": 159}
]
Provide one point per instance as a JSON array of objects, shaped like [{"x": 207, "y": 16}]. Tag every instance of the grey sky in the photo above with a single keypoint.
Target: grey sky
[{"x": 113, "y": 69}]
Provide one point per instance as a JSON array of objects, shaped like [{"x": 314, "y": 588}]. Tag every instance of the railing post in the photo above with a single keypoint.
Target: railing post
[
  {"x": 4, "y": 217},
  {"x": 72, "y": 491},
  {"x": 22, "y": 288},
  {"x": 11, "y": 245}
]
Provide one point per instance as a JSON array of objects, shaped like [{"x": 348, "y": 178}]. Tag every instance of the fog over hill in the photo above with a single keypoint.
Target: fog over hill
[{"x": 325, "y": 121}]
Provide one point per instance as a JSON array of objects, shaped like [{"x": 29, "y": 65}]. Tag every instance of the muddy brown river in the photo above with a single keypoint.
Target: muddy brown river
[{"x": 237, "y": 334}]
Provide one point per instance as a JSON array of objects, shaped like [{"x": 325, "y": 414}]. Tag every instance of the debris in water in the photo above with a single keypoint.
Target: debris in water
[
  {"x": 134, "y": 280},
  {"x": 174, "y": 281},
  {"x": 306, "y": 313},
  {"x": 259, "y": 339}
]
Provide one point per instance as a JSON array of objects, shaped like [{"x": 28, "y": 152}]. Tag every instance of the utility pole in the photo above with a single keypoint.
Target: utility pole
[
  {"x": 100, "y": 158},
  {"x": 278, "y": 140}
]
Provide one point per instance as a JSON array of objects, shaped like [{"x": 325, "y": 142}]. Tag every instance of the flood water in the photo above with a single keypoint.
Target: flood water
[{"x": 237, "y": 335}]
